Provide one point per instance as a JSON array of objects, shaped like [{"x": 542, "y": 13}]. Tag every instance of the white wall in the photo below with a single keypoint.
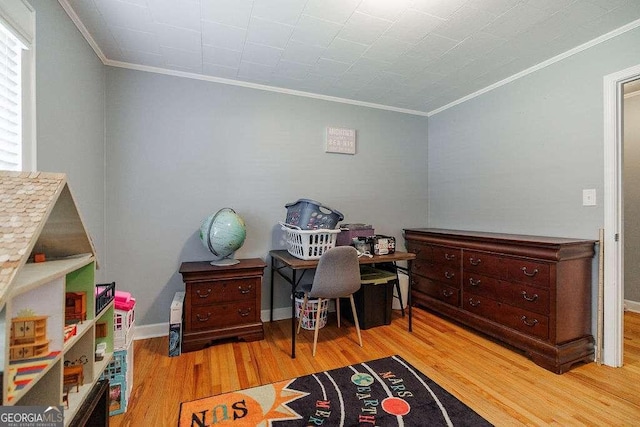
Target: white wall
[
  {"x": 70, "y": 97},
  {"x": 179, "y": 149},
  {"x": 631, "y": 188}
]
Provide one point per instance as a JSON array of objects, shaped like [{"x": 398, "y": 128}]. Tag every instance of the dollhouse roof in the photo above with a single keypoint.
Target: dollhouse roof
[{"x": 37, "y": 215}]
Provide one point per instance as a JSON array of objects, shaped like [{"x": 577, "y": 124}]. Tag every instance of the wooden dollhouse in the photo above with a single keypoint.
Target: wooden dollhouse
[{"x": 46, "y": 255}]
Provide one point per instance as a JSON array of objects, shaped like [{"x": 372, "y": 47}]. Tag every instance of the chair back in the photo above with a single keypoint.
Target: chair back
[{"x": 337, "y": 274}]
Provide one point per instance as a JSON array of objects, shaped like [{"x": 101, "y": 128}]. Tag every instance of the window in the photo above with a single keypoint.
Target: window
[
  {"x": 17, "y": 84},
  {"x": 10, "y": 101}
]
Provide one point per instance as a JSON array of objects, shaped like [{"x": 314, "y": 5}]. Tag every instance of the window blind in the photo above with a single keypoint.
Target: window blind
[{"x": 10, "y": 101}]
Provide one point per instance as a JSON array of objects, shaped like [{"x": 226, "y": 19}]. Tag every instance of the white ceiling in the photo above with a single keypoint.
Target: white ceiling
[{"x": 417, "y": 55}]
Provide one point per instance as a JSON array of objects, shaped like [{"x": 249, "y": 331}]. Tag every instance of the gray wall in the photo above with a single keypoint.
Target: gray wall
[
  {"x": 179, "y": 149},
  {"x": 517, "y": 158},
  {"x": 70, "y": 93},
  {"x": 631, "y": 179}
]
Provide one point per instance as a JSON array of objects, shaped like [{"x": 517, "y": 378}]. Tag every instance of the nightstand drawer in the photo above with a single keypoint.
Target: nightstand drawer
[
  {"x": 220, "y": 315},
  {"x": 207, "y": 293}
]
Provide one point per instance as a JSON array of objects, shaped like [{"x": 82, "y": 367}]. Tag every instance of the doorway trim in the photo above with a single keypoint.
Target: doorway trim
[{"x": 613, "y": 326}]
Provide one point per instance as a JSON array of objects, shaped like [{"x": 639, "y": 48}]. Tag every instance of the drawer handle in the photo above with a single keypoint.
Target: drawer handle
[
  {"x": 449, "y": 257},
  {"x": 473, "y": 303},
  {"x": 203, "y": 319},
  {"x": 245, "y": 290},
  {"x": 526, "y": 321},
  {"x": 528, "y": 298},
  {"x": 474, "y": 282},
  {"x": 475, "y": 261},
  {"x": 449, "y": 275},
  {"x": 205, "y": 295},
  {"x": 245, "y": 312},
  {"x": 447, "y": 293},
  {"x": 526, "y": 273}
]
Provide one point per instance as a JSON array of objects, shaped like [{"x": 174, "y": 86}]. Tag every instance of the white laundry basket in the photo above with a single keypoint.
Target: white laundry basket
[
  {"x": 309, "y": 315},
  {"x": 309, "y": 244}
]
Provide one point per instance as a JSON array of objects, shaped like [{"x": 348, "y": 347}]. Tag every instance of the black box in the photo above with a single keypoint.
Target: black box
[{"x": 374, "y": 299}]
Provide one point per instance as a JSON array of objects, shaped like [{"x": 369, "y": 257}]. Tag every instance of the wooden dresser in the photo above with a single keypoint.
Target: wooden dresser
[
  {"x": 533, "y": 293},
  {"x": 221, "y": 302}
]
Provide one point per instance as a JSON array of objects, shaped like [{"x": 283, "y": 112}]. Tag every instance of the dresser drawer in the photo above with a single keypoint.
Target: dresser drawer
[
  {"x": 436, "y": 290},
  {"x": 422, "y": 251},
  {"x": 516, "y": 294},
  {"x": 484, "y": 263},
  {"x": 528, "y": 271},
  {"x": 420, "y": 266},
  {"x": 207, "y": 293},
  {"x": 524, "y": 321},
  {"x": 443, "y": 255},
  {"x": 477, "y": 284},
  {"x": 445, "y": 274},
  {"x": 524, "y": 296},
  {"x": 221, "y": 315}
]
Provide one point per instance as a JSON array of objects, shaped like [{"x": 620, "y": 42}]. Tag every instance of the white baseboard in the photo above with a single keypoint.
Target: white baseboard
[
  {"x": 632, "y": 306},
  {"x": 162, "y": 329}
]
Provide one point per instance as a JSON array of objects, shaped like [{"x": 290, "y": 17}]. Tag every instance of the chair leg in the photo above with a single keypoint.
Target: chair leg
[
  {"x": 338, "y": 310},
  {"x": 315, "y": 335},
  {"x": 355, "y": 318},
  {"x": 302, "y": 309}
]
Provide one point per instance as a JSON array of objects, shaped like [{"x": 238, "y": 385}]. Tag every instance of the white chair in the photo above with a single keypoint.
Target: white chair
[{"x": 337, "y": 276}]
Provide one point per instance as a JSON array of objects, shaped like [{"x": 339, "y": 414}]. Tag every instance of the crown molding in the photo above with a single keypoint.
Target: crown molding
[
  {"x": 630, "y": 26},
  {"x": 259, "y": 86},
  {"x": 83, "y": 30}
]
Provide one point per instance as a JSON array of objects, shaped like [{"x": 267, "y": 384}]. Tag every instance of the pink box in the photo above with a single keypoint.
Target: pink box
[{"x": 349, "y": 231}]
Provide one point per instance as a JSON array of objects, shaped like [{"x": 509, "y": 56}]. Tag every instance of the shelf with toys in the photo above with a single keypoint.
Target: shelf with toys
[{"x": 52, "y": 314}]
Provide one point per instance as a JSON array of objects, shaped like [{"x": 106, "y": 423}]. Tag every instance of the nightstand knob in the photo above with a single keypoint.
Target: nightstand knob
[
  {"x": 203, "y": 319},
  {"x": 244, "y": 313},
  {"x": 203, "y": 295},
  {"x": 245, "y": 290}
]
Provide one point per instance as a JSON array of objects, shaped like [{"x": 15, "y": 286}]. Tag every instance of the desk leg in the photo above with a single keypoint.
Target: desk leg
[
  {"x": 273, "y": 269},
  {"x": 409, "y": 304},
  {"x": 293, "y": 315}
]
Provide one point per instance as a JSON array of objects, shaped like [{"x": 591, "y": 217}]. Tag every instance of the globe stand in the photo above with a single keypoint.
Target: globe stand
[{"x": 225, "y": 262}]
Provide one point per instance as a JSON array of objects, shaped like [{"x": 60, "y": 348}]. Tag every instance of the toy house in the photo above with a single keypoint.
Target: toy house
[{"x": 38, "y": 215}]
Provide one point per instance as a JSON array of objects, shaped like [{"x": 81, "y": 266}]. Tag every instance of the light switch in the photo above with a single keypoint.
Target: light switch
[{"x": 589, "y": 197}]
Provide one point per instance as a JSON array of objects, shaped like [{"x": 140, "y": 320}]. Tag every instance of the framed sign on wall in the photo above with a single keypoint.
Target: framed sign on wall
[{"x": 340, "y": 140}]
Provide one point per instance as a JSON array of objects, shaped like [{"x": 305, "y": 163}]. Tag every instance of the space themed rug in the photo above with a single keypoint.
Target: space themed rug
[{"x": 383, "y": 392}]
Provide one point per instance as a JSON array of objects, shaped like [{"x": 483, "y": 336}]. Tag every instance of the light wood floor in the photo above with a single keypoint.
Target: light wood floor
[{"x": 500, "y": 384}]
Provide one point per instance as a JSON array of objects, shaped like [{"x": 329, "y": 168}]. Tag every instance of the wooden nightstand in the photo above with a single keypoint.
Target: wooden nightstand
[{"x": 221, "y": 302}]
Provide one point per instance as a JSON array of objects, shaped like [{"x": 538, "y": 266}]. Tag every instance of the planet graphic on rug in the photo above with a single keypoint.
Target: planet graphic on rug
[{"x": 223, "y": 233}]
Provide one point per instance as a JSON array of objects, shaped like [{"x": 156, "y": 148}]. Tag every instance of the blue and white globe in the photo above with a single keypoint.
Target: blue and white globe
[{"x": 223, "y": 233}]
